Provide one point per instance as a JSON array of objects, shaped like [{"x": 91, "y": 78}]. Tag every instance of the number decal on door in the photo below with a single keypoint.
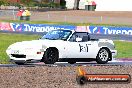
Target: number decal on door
[{"x": 83, "y": 48}]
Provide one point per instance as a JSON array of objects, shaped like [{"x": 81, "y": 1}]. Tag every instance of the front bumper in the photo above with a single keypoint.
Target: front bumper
[
  {"x": 24, "y": 55},
  {"x": 23, "y": 61},
  {"x": 114, "y": 52}
]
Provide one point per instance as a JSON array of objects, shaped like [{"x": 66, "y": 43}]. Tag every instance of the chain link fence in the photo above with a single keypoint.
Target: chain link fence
[
  {"x": 56, "y": 17},
  {"x": 53, "y": 16},
  {"x": 8, "y": 14}
]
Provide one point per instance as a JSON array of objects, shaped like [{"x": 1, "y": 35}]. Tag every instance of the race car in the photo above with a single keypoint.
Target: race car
[{"x": 62, "y": 45}]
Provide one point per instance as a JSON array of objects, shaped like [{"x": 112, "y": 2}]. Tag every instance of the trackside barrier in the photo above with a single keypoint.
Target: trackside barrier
[
  {"x": 41, "y": 28},
  {"x": 107, "y": 30},
  {"x": 21, "y": 27}
]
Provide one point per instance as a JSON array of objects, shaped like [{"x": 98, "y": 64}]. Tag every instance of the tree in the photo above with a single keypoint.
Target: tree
[
  {"x": 27, "y": 2},
  {"x": 63, "y": 4},
  {"x": 3, "y": 2}
]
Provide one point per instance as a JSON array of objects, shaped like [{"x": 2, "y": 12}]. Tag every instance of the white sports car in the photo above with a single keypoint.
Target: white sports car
[{"x": 62, "y": 45}]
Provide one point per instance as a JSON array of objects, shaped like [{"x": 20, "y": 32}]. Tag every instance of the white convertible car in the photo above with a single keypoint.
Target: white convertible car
[{"x": 62, "y": 45}]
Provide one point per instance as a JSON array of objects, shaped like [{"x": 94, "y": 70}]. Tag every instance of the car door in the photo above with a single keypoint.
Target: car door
[
  {"x": 88, "y": 49},
  {"x": 81, "y": 49},
  {"x": 73, "y": 50}
]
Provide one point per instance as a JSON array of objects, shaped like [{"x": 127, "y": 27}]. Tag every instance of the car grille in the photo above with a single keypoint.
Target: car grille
[{"x": 18, "y": 56}]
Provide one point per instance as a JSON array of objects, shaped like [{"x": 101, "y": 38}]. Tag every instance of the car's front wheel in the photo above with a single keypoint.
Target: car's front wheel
[
  {"x": 103, "y": 56},
  {"x": 50, "y": 56}
]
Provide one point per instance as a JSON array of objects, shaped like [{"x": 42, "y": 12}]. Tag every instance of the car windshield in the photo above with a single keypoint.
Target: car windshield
[{"x": 57, "y": 35}]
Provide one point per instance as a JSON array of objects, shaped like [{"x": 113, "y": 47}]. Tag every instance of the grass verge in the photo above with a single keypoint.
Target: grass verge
[{"x": 124, "y": 48}]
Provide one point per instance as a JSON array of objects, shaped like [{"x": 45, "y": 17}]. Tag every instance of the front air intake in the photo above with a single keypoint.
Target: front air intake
[{"x": 18, "y": 56}]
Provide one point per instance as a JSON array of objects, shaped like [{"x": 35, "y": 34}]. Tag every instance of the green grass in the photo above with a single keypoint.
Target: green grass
[
  {"x": 65, "y": 23},
  {"x": 124, "y": 48}
]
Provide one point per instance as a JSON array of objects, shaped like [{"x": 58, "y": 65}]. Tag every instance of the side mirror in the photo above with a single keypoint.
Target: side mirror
[{"x": 78, "y": 39}]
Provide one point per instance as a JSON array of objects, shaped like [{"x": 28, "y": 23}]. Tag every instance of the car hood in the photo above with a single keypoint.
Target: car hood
[{"x": 34, "y": 44}]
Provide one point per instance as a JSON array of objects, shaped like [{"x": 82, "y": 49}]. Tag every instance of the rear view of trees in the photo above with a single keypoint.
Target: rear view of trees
[
  {"x": 3, "y": 2},
  {"x": 34, "y": 3}
]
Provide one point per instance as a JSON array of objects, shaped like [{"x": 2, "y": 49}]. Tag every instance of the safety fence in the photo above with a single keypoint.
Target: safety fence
[{"x": 56, "y": 16}]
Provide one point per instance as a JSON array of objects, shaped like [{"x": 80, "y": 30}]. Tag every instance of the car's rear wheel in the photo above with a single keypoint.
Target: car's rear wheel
[
  {"x": 50, "y": 56},
  {"x": 103, "y": 56}
]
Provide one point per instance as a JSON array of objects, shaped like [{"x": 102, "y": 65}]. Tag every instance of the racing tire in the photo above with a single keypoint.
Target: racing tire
[
  {"x": 103, "y": 56},
  {"x": 50, "y": 56},
  {"x": 81, "y": 80}
]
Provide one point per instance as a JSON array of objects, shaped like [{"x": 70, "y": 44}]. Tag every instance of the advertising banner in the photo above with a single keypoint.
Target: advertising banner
[
  {"x": 106, "y": 30},
  {"x": 39, "y": 27},
  {"x": 21, "y": 27},
  {"x": 111, "y": 30},
  {"x": 33, "y": 27},
  {"x": 5, "y": 26}
]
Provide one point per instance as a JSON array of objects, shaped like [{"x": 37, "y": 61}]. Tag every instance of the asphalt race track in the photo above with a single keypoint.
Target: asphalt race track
[{"x": 119, "y": 62}]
